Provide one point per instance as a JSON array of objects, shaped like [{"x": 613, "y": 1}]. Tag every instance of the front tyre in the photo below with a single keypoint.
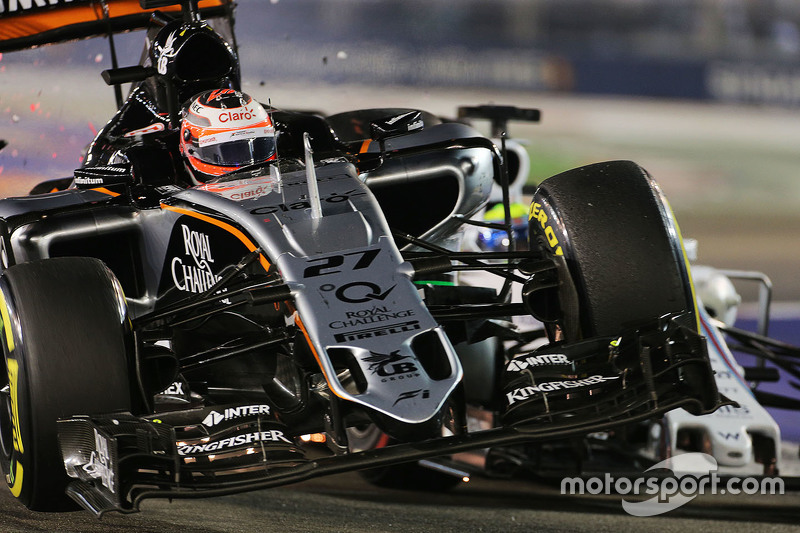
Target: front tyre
[
  {"x": 66, "y": 339},
  {"x": 407, "y": 476},
  {"x": 620, "y": 257}
]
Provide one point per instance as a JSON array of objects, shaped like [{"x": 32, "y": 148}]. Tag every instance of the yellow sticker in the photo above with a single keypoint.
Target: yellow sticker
[
  {"x": 13, "y": 375},
  {"x": 15, "y": 478},
  {"x": 537, "y": 214}
]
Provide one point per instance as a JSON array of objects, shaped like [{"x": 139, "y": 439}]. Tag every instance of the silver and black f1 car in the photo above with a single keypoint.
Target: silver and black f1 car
[{"x": 167, "y": 339}]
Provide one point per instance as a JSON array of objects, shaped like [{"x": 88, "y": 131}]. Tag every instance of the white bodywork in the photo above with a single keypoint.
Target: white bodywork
[{"x": 728, "y": 432}]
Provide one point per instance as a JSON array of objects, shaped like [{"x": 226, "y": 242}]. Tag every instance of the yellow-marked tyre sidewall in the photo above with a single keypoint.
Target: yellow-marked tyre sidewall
[
  {"x": 13, "y": 464},
  {"x": 611, "y": 226},
  {"x": 69, "y": 353}
]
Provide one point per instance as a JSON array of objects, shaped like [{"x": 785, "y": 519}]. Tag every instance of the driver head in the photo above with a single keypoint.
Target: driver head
[{"x": 224, "y": 130}]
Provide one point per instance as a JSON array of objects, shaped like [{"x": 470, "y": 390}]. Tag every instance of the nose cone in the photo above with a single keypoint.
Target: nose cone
[{"x": 732, "y": 446}]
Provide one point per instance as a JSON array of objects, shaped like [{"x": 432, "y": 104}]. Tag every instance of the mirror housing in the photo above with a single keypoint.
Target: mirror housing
[{"x": 385, "y": 128}]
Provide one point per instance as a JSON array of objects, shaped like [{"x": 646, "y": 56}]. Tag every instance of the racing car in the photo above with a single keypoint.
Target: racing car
[{"x": 169, "y": 338}]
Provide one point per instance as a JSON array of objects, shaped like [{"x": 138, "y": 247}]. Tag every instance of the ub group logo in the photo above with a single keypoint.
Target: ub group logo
[{"x": 693, "y": 474}]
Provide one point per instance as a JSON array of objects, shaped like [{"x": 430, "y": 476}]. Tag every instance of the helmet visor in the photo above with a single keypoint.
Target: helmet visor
[{"x": 235, "y": 149}]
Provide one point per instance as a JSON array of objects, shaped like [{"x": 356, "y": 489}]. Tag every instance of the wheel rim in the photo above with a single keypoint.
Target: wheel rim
[{"x": 363, "y": 437}]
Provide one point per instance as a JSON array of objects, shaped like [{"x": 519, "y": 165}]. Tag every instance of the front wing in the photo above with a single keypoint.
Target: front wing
[{"x": 117, "y": 460}]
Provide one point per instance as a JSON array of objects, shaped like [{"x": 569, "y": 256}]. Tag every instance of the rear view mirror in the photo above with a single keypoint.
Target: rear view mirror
[
  {"x": 397, "y": 125},
  {"x": 103, "y": 176}
]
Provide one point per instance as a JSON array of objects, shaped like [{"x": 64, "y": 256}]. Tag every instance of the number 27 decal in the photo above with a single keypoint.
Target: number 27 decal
[{"x": 327, "y": 264}]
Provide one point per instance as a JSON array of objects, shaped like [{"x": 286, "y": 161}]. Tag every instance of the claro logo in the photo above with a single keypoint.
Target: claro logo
[{"x": 229, "y": 116}]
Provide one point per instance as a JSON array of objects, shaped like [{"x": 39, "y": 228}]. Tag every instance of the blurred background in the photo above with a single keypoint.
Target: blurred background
[{"x": 705, "y": 94}]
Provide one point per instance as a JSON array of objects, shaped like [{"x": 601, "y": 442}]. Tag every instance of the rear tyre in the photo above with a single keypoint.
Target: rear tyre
[
  {"x": 618, "y": 248},
  {"x": 66, "y": 339}
]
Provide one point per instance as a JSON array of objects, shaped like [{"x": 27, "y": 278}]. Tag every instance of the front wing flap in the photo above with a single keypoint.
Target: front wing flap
[{"x": 653, "y": 362}]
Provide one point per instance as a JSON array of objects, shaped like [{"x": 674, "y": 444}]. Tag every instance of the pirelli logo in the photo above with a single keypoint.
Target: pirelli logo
[{"x": 369, "y": 333}]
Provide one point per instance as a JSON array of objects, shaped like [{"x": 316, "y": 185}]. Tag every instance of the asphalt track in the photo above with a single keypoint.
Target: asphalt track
[{"x": 344, "y": 503}]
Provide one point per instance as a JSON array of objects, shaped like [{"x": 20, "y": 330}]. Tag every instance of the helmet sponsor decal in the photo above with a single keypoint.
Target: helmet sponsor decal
[
  {"x": 197, "y": 107},
  {"x": 219, "y": 93},
  {"x": 235, "y": 135},
  {"x": 241, "y": 116}
]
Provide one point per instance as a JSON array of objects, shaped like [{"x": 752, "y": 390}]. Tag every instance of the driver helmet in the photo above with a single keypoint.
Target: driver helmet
[{"x": 224, "y": 130}]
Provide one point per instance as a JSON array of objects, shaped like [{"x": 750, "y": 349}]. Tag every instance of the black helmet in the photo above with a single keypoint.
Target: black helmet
[{"x": 193, "y": 57}]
